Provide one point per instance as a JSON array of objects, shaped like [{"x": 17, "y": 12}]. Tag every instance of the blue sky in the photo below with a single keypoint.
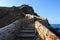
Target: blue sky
[{"x": 46, "y": 8}]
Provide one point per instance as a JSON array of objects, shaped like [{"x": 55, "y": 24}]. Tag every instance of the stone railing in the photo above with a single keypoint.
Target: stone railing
[
  {"x": 9, "y": 32},
  {"x": 44, "y": 32}
]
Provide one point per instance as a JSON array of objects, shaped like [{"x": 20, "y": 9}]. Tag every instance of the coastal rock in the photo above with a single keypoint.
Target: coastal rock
[{"x": 13, "y": 19}]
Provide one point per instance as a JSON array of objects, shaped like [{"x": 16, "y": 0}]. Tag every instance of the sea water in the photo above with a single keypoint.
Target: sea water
[{"x": 56, "y": 26}]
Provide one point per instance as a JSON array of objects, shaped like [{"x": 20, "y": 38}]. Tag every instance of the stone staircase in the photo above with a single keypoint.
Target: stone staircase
[{"x": 27, "y": 33}]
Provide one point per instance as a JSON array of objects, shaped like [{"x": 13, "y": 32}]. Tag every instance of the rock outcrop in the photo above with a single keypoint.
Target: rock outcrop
[
  {"x": 13, "y": 19},
  {"x": 10, "y": 14}
]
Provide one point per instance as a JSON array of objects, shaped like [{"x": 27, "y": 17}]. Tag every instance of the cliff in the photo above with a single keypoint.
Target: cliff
[{"x": 13, "y": 19}]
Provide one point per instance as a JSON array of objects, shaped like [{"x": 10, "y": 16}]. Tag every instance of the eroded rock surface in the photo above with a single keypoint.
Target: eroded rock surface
[{"x": 13, "y": 19}]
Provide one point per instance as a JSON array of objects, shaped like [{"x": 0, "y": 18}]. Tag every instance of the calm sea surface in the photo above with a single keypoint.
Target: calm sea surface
[{"x": 56, "y": 26}]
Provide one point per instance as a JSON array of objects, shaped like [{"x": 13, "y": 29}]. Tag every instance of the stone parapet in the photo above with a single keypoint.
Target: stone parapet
[{"x": 44, "y": 32}]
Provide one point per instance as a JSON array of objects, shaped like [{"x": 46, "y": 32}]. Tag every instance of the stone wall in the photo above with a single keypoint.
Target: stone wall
[
  {"x": 9, "y": 32},
  {"x": 44, "y": 32}
]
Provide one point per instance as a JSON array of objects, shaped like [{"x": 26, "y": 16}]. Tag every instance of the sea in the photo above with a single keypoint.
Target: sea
[{"x": 56, "y": 26}]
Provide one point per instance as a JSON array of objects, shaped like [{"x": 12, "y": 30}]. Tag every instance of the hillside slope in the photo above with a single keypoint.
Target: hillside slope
[{"x": 26, "y": 15}]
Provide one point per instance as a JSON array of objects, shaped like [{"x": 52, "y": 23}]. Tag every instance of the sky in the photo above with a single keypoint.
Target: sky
[{"x": 45, "y": 8}]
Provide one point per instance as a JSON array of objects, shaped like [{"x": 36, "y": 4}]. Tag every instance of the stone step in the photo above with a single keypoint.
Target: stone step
[
  {"x": 27, "y": 30},
  {"x": 25, "y": 39},
  {"x": 26, "y": 35},
  {"x": 28, "y": 27},
  {"x": 28, "y": 38}
]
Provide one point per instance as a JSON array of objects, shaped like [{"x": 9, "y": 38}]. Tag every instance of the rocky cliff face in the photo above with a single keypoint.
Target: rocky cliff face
[
  {"x": 10, "y": 14},
  {"x": 26, "y": 16}
]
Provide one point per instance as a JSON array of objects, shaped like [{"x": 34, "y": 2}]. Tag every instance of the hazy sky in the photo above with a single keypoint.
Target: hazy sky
[{"x": 46, "y": 8}]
